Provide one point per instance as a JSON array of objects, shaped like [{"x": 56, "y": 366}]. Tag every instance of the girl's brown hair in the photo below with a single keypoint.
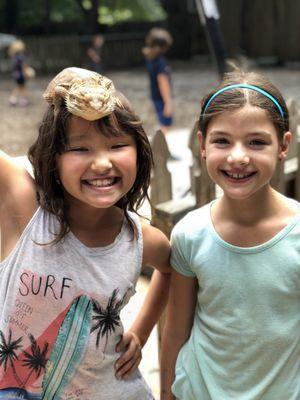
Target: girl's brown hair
[
  {"x": 158, "y": 41},
  {"x": 233, "y": 99},
  {"x": 52, "y": 140}
]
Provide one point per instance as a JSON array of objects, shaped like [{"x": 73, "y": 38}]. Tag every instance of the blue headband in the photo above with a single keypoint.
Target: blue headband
[{"x": 244, "y": 85}]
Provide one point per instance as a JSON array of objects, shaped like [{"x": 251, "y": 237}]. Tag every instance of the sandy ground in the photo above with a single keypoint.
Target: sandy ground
[{"x": 19, "y": 126}]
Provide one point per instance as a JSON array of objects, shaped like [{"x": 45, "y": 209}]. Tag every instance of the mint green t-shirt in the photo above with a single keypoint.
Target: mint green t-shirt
[{"x": 245, "y": 339}]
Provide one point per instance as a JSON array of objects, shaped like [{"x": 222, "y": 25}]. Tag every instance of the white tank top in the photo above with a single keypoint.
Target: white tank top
[{"x": 60, "y": 315}]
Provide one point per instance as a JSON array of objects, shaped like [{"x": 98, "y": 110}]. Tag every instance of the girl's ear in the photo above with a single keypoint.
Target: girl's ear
[
  {"x": 201, "y": 144},
  {"x": 284, "y": 145}
]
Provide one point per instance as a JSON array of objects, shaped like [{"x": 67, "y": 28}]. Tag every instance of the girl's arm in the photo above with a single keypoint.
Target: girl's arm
[
  {"x": 179, "y": 321},
  {"x": 17, "y": 201},
  {"x": 165, "y": 91},
  {"x": 156, "y": 254},
  {"x": 93, "y": 55}
]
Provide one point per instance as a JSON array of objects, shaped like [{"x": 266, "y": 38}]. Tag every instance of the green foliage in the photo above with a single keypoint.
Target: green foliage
[
  {"x": 33, "y": 13},
  {"x": 116, "y": 11}
]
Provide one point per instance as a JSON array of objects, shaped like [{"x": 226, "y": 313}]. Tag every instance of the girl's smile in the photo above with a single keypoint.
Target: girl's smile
[
  {"x": 238, "y": 176},
  {"x": 101, "y": 182},
  {"x": 95, "y": 169}
]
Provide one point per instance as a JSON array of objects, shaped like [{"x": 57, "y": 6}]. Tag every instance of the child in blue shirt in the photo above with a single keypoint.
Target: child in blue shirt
[
  {"x": 158, "y": 42},
  {"x": 233, "y": 325}
]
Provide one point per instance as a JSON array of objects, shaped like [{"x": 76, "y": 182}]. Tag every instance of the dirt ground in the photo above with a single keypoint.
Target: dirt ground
[{"x": 19, "y": 126}]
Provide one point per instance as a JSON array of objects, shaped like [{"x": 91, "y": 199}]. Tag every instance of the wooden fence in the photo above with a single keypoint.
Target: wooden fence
[
  {"x": 261, "y": 28},
  {"x": 50, "y": 54}
]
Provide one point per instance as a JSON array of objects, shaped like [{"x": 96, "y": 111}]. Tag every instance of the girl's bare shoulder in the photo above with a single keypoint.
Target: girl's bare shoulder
[{"x": 17, "y": 192}]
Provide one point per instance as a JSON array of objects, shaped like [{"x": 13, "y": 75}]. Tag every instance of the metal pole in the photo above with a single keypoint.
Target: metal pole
[{"x": 209, "y": 16}]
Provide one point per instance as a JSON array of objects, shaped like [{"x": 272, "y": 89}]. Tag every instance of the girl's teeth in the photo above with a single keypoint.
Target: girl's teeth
[
  {"x": 101, "y": 182},
  {"x": 238, "y": 176}
]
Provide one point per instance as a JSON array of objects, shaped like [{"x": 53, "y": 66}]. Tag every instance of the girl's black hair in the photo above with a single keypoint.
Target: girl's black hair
[{"x": 52, "y": 141}]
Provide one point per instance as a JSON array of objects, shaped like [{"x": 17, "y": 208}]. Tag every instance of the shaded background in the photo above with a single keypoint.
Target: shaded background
[{"x": 57, "y": 32}]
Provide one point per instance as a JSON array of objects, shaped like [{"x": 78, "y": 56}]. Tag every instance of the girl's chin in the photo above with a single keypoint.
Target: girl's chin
[{"x": 241, "y": 195}]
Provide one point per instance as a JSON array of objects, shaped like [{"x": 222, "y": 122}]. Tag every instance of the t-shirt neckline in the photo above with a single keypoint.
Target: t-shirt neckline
[{"x": 252, "y": 249}]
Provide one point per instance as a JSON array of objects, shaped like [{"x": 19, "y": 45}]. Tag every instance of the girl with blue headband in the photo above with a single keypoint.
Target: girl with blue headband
[{"x": 233, "y": 321}]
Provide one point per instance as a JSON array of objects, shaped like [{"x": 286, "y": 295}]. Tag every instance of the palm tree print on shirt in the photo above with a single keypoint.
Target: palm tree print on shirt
[
  {"x": 8, "y": 349},
  {"x": 107, "y": 319},
  {"x": 34, "y": 362}
]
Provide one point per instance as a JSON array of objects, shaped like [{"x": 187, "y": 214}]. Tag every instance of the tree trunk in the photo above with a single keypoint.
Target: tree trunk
[
  {"x": 47, "y": 19},
  {"x": 91, "y": 16},
  {"x": 11, "y": 10},
  {"x": 179, "y": 27}
]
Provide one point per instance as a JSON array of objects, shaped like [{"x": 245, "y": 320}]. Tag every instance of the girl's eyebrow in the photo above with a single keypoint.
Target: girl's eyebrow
[
  {"x": 216, "y": 132},
  {"x": 77, "y": 137},
  {"x": 254, "y": 133}
]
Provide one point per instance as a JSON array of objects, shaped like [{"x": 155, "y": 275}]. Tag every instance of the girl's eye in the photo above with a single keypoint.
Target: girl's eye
[
  {"x": 257, "y": 143},
  {"x": 119, "y": 145},
  {"x": 221, "y": 141},
  {"x": 77, "y": 149}
]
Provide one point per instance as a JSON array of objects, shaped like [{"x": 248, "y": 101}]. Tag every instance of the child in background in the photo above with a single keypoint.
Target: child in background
[
  {"x": 73, "y": 248},
  {"x": 19, "y": 95},
  {"x": 158, "y": 42},
  {"x": 94, "y": 53},
  {"x": 233, "y": 324}
]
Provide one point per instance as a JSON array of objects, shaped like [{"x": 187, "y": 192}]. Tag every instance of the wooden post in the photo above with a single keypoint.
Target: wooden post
[
  {"x": 297, "y": 180},
  {"x": 167, "y": 214},
  {"x": 278, "y": 179},
  {"x": 286, "y": 175},
  {"x": 195, "y": 168},
  {"x": 161, "y": 183},
  {"x": 202, "y": 186},
  {"x": 165, "y": 211}
]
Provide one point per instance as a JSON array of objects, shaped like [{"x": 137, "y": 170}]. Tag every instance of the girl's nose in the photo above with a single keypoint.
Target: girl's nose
[
  {"x": 238, "y": 156},
  {"x": 101, "y": 163}
]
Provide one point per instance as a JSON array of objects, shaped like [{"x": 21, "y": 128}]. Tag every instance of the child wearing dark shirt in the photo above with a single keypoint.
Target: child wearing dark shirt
[
  {"x": 20, "y": 69},
  {"x": 158, "y": 42}
]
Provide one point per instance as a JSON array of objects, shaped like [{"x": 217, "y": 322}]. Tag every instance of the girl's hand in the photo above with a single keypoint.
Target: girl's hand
[{"x": 131, "y": 347}]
